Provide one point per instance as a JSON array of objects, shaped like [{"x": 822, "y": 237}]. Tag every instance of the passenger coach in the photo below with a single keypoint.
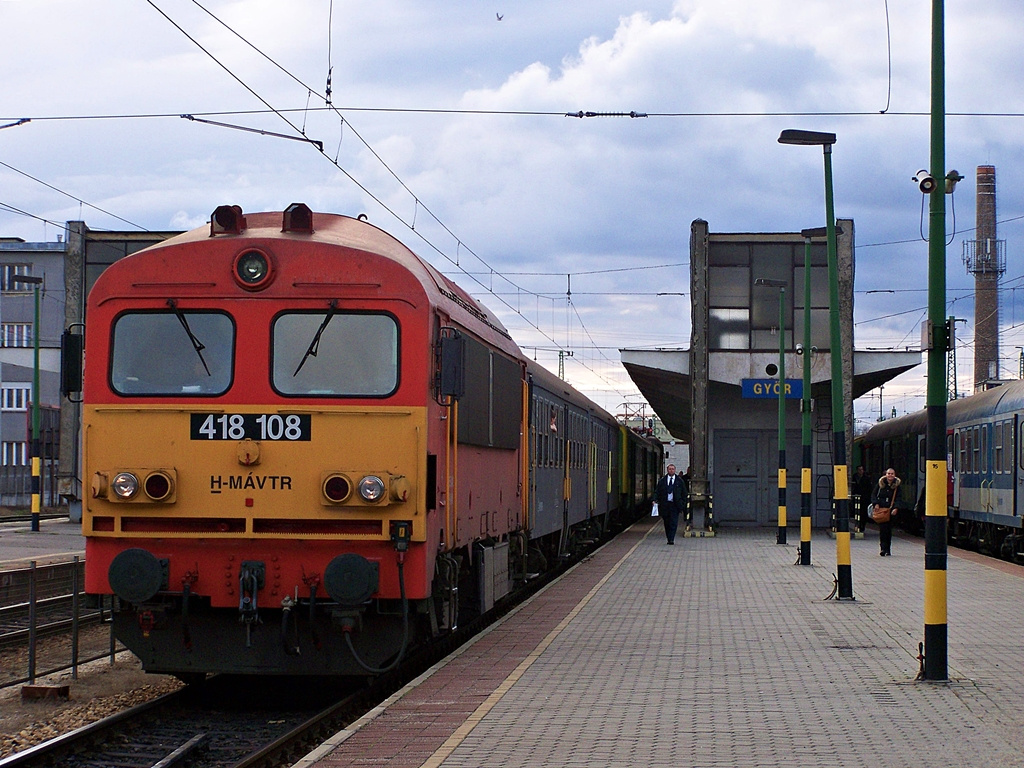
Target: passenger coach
[{"x": 985, "y": 462}]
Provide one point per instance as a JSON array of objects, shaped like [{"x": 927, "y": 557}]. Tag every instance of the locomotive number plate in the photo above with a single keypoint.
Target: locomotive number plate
[{"x": 254, "y": 426}]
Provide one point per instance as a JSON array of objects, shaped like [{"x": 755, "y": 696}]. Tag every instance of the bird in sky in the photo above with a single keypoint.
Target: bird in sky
[{"x": 500, "y": 16}]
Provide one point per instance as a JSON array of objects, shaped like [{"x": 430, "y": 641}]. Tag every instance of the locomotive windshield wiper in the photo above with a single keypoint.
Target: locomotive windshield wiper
[
  {"x": 314, "y": 345},
  {"x": 197, "y": 345}
]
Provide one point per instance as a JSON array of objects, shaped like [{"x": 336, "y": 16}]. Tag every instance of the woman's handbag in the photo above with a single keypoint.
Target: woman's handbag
[{"x": 880, "y": 514}]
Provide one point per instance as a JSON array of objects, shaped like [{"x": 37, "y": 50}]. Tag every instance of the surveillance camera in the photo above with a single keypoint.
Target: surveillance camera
[
  {"x": 951, "y": 179},
  {"x": 925, "y": 182},
  {"x": 799, "y": 349},
  {"x": 814, "y": 350}
]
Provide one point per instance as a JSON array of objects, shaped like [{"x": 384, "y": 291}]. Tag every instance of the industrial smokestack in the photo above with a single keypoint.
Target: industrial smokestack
[{"x": 986, "y": 260}]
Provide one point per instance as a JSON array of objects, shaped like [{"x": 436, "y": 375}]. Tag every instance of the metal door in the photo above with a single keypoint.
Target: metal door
[{"x": 735, "y": 482}]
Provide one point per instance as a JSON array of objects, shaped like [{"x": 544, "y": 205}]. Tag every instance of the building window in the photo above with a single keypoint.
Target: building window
[
  {"x": 14, "y": 454},
  {"x": 729, "y": 328},
  {"x": 16, "y": 334},
  {"x": 15, "y": 397},
  {"x": 8, "y": 271}
]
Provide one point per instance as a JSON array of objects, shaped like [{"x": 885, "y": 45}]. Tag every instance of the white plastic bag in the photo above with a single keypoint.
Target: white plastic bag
[{"x": 654, "y": 509}]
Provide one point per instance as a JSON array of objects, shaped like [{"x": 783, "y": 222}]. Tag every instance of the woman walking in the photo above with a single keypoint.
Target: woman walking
[{"x": 884, "y": 502}]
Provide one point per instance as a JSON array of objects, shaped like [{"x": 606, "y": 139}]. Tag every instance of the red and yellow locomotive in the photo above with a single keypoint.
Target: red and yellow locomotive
[{"x": 298, "y": 439}]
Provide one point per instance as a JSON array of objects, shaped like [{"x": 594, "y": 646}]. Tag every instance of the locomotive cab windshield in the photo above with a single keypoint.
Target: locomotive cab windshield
[
  {"x": 347, "y": 354},
  {"x": 172, "y": 352}
]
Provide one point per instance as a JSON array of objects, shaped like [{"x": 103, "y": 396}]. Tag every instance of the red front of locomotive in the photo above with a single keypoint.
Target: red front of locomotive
[{"x": 259, "y": 416}]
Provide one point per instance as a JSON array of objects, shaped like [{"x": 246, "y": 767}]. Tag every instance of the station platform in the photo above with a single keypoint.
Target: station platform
[
  {"x": 58, "y": 540},
  {"x": 719, "y": 652}
]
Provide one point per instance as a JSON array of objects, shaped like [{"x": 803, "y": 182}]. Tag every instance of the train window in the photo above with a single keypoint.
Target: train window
[
  {"x": 1008, "y": 446},
  {"x": 335, "y": 354},
  {"x": 997, "y": 448},
  {"x": 984, "y": 447},
  {"x": 537, "y": 439},
  {"x": 172, "y": 353},
  {"x": 543, "y": 430}
]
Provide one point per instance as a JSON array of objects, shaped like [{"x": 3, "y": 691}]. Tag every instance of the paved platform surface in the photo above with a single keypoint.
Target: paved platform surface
[
  {"x": 720, "y": 652},
  {"x": 57, "y": 541}
]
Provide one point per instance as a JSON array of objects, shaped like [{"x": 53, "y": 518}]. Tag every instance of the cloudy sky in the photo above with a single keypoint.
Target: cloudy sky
[{"x": 447, "y": 126}]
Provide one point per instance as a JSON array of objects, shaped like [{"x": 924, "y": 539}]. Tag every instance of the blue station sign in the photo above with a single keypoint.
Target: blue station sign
[{"x": 769, "y": 388}]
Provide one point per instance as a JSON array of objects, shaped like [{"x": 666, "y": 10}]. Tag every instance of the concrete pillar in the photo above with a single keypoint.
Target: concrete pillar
[{"x": 69, "y": 485}]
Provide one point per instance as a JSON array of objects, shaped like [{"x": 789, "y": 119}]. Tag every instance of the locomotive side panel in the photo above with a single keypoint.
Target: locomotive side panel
[{"x": 487, "y": 472}]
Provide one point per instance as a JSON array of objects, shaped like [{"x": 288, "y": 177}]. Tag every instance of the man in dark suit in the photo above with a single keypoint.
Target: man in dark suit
[{"x": 671, "y": 497}]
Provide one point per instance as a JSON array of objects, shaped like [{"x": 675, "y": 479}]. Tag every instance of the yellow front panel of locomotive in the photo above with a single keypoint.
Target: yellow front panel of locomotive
[{"x": 216, "y": 477}]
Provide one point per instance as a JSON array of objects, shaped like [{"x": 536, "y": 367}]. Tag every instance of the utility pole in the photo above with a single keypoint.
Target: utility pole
[{"x": 935, "y": 556}]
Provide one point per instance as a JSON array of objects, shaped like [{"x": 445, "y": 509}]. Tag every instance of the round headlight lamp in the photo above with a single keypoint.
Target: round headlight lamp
[
  {"x": 252, "y": 269},
  {"x": 125, "y": 485},
  {"x": 371, "y": 488}
]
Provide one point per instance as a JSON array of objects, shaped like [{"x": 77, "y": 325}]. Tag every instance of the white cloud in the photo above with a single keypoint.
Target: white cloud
[{"x": 541, "y": 193}]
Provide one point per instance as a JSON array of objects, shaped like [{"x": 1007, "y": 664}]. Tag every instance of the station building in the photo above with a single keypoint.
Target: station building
[{"x": 720, "y": 394}]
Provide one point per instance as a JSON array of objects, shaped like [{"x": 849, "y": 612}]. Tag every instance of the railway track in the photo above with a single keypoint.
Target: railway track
[
  {"x": 54, "y": 615},
  {"x": 206, "y": 728}
]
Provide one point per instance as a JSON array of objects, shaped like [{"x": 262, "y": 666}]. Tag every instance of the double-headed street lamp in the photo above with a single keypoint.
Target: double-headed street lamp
[
  {"x": 37, "y": 487},
  {"x": 844, "y": 572},
  {"x": 781, "y": 285}
]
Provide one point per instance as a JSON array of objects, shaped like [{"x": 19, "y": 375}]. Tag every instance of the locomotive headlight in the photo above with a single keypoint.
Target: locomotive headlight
[
  {"x": 252, "y": 269},
  {"x": 371, "y": 488},
  {"x": 125, "y": 485}
]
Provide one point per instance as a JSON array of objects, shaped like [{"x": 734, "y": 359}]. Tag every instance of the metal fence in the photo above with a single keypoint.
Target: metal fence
[{"x": 36, "y": 644}]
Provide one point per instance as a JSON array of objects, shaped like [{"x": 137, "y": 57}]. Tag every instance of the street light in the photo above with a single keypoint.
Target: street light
[
  {"x": 781, "y": 285},
  {"x": 35, "y": 282},
  {"x": 844, "y": 572}
]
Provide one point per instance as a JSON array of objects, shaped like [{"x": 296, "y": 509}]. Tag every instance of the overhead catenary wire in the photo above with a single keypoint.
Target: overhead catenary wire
[
  {"x": 362, "y": 187},
  {"x": 488, "y": 112},
  {"x": 79, "y": 200}
]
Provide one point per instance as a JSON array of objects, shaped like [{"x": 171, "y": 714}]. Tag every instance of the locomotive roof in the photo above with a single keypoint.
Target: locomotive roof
[{"x": 357, "y": 234}]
